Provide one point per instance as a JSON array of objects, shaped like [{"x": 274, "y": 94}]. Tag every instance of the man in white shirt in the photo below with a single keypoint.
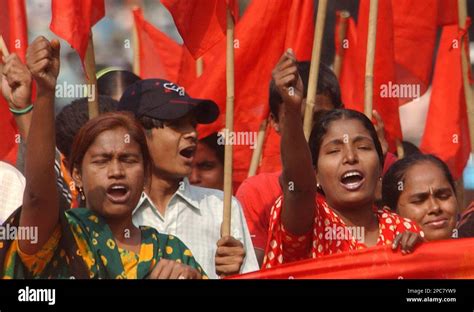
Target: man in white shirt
[{"x": 170, "y": 203}]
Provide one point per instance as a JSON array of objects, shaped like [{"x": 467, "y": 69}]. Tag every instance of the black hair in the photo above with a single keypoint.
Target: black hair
[
  {"x": 211, "y": 141},
  {"x": 396, "y": 174},
  {"x": 115, "y": 81},
  {"x": 327, "y": 85},
  {"x": 410, "y": 149},
  {"x": 149, "y": 123},
  {"x": 73, "y": 116},
  {"x": 322, "y": 126}
]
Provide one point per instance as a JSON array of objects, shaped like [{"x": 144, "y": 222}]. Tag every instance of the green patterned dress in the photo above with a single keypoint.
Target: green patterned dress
[{"x": 91, "y": 252}]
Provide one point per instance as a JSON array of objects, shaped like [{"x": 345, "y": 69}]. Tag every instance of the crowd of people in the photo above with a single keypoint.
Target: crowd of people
[{"x": 133, "y": 193}]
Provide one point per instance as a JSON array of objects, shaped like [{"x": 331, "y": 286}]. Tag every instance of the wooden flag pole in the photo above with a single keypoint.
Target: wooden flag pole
[
  {"x": 341, "y": 35},
  {"x": 465, "y": 62},
  {"x": 91, "y": 79},
  {"x": 3, "y": 47},
  {"x": 229, "y": 125},
  {"x": 370, "y": 58},
  {"x": 468, "y": 94},
  {"x": 199, "y": 67},
  {"x": 136, "y": 47},
  {"x": 314, "y": 68},
  {"x": 257, "y": 152}
]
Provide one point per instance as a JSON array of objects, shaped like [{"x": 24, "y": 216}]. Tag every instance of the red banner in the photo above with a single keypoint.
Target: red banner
[
  {"x": 449, "y": 259},
  {"x": 72, "y": 20},
  {"x": 13, "y": 28}
]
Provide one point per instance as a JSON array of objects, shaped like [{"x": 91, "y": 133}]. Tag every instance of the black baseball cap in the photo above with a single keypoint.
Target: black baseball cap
[{"x": 164, "y": 100}]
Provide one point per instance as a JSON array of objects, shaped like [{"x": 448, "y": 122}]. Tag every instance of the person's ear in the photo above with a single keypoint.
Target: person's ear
[
  {"x": 317, "y": 179},
  {"x": 274, "y": 123},
  {"x": 77, "y": 177}
]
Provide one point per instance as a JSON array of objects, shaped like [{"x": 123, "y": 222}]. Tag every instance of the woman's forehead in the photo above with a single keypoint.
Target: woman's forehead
[
  {"x": 424, "y": 173},
  {"x": 347, "y": 129},
  {"x": 114, "y": 140}
]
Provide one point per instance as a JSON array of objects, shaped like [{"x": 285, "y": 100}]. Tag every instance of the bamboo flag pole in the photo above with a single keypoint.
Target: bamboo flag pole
[
  {"x": 229, "y": 125},
  {"x": 3, "y": 47},
  {"x": 468, "y": 93},
  {"x": 370, "y": 58},
  {"x": 314, "y": 68},
  {"x": 257, "y": 152},
  {"x": 136, "y": 47},
  {"x": 341, "y": 35},
  {"x": 199, "y": 67},
  {"x": 93, "y": 102},
  {"x": 465, "y": 62}
]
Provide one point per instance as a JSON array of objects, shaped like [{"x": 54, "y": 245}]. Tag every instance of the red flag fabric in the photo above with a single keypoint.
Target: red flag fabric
[
  {"x": 455, "y": 257},
  {"x": 13, "y": 28},
  {"x": 234, "y": 9},
  {"x": 447, "y": 12},
  {"x": 385, "y": 99},
  {"x": 299, "y": 37},
  {"x": 187, "y": 69},
  {"x": 201, "y": 23},
  {"x": 72, "y": 20},
  {"x": 271, "y": 160},
  {"x": 347, "y": 75},
  {"x": 159, "y": 55},
  {"x": 414, "y": 43},
  {"x": 261, "y": 31},
  {"x": 446, "y": 131},
  {"x": 300, "y": 30}
]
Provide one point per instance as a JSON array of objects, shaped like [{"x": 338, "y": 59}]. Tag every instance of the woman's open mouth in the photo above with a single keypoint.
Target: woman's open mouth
[
  {"x": 352, "y": 180},
  {"x": 118, "y": 193}
]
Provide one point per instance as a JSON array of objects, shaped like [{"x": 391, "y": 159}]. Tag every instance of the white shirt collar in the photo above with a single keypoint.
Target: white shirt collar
[{"x": 185, "y": 191}]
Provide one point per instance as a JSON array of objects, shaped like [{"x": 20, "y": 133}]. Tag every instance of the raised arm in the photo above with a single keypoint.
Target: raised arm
[
  {"x": 40, "y": 200},
  {"x": 299, "y": 180},
  {"x": 16, "y": 89}
]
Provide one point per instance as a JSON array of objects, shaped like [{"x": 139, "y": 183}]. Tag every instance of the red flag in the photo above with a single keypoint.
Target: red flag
[
  {"x": 446, "y": 131},
  {"x": 187, "y": 69},
  {"x": 300, "y": 30},
  {"x": 261, "y": 31},
  {"x": 159, "y": 55},
  {"x": 234, "y": 9},
  {"x": 348, "y": 73},
  {"x": 201, "y": 23},
  {"x": 13, "y": 28},
  {"x": 299, "y": 37},
  {"x": 385, "y": 99},
  {"x": 72, "y": 20},
  {"x": 414, "y": 42},
  {"x": 454, "y": 256},
  {"x": 447, "y": 12}
]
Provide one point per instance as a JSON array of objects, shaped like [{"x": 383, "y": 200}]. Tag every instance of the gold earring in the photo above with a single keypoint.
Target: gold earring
[{"x": 81, "y": 192}]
